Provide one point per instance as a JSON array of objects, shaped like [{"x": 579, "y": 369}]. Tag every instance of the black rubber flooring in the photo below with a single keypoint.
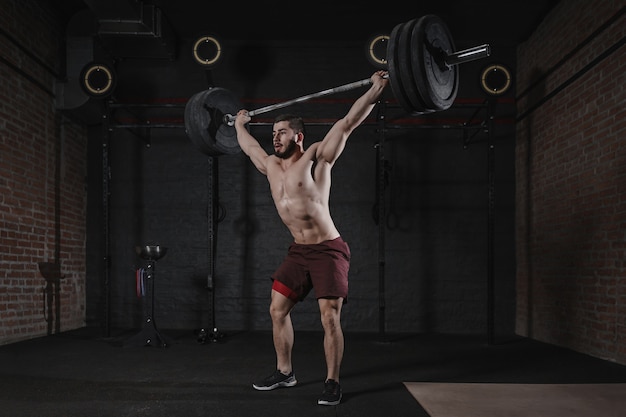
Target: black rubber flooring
[{"x": 83, "y": 373}]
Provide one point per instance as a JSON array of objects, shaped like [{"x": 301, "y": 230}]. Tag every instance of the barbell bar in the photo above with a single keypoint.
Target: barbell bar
[
  {"x": 422, "y": 71},
  {"x": 455, "y": 58},
  {"x": 230, "y": 119}
]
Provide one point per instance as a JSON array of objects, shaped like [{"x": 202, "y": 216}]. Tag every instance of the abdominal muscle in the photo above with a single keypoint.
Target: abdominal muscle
[
  {"x": 301, "y": 203},
  {"x": 309, "y": 222}
]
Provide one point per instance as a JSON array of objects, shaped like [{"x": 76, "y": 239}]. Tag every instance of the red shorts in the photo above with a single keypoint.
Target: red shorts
[{"x": 322, "y": 267}]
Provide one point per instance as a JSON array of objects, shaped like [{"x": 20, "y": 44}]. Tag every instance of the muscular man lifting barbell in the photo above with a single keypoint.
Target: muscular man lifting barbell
[
  {"x": 318, "y": 259},
  {"x": 422, "y": 72}
]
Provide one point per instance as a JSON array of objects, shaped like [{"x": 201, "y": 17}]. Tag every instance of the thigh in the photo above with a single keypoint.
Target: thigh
[
  {"x": 293, "y": 276},
  {"x": 329, "y": 272},
  {"x": 281, "y": 304}
]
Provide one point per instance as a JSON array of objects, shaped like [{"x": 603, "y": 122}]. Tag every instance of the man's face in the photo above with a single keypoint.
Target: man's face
[{"x": 284, "y": 140}]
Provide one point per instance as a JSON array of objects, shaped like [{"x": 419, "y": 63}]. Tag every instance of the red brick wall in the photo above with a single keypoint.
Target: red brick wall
[
  {"x": 571, "y": 180},
  {"x": 42, "y": 181}
]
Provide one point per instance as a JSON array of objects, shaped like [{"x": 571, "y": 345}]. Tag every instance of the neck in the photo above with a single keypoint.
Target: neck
[{"x": 295, "y": 157}]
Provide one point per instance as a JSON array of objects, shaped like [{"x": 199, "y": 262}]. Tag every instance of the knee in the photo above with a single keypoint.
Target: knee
[
  {"x": 330, "y": 318},
  {"x": 277, "y": 313},
  {"x": 274, "y": 312}
]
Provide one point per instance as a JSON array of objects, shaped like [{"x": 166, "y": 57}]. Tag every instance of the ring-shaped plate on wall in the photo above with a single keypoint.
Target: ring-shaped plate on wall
[
  {"x": 377, "y": 45},
  {"x": 97, "y": 80},
  {"x": 486, "y": 83},
  {"x": 198, "y": 50}
]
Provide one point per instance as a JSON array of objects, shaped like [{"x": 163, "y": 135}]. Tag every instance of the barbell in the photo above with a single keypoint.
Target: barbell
[{"x": 421, "y": 66}]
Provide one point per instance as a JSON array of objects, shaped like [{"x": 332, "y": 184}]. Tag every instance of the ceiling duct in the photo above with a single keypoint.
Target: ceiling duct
[
  {"x": 79, "y": 51},
  {"x": 131, "y": 29},
  {"x": 113, "y": 9}
]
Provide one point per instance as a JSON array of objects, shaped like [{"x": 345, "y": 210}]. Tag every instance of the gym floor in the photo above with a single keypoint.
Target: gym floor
[{"x": 83, "y": 373}]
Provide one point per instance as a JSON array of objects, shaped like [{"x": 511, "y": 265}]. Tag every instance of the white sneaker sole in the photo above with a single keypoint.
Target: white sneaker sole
[{"x": 277, "y": 385}]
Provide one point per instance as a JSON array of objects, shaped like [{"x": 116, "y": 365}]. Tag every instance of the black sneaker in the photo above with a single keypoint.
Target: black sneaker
[
  {"x": 276, "y": 380},
  {"x": 331, "y": 394}
]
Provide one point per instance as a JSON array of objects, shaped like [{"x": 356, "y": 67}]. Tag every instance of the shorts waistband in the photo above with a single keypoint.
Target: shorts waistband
[{"x": 323, "y": 242}]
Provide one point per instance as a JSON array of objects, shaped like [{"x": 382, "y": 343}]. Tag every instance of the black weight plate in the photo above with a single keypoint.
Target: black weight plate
[
  {"x": 405, "y": 52},
  {"x": 438, "y": 83},
  {"x": 204, "y": 121},
  {"x": 419, "y": 76},
  {"x": 444, "y": 82},
  {"x": 394, "y": 68},
  {"x": 196, "y": 124},
  {"x": 218, "y": 102}
]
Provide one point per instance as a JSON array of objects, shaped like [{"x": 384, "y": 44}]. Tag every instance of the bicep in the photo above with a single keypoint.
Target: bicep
[
  {"x": 333, "y": 143},
  {"x": 251, "y": 147},
  {"x": 258, "y": 156}
]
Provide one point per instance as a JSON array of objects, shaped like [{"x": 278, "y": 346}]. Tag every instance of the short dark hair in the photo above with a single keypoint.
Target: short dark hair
[{"x": 295, "y": 122}]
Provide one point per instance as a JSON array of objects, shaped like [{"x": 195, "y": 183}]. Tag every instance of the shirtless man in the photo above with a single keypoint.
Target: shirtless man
[{"x": 318, "y": 258}]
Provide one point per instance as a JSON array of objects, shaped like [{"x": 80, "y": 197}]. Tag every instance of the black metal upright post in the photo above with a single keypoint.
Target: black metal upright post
[
  {"x": 490, "y": 224},
  {"x": 213, "y": 195},
  {"x": 381, "y": 180},
  {"x": 106, "y": 177},
  {"x": 212, "y": 219}
]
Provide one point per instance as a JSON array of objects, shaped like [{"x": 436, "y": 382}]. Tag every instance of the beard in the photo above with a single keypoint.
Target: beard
[{"x": 291, "y": 148}]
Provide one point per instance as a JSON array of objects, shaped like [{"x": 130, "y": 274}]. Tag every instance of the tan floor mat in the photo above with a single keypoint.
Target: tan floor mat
[{"x": 520, "y": 400}]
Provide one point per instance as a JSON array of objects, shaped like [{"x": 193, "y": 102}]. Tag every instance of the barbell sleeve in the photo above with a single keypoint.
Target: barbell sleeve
[{"x": 466, "y": 55}]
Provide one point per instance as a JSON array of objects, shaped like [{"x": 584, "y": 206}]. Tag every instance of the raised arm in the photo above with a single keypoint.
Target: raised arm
[
  {"x": 335, "y": 140},
  {"x": 248, "y": 144}
]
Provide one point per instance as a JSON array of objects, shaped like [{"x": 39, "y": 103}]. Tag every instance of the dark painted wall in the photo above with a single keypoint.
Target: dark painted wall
[{"x": 436, "y": 236}]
